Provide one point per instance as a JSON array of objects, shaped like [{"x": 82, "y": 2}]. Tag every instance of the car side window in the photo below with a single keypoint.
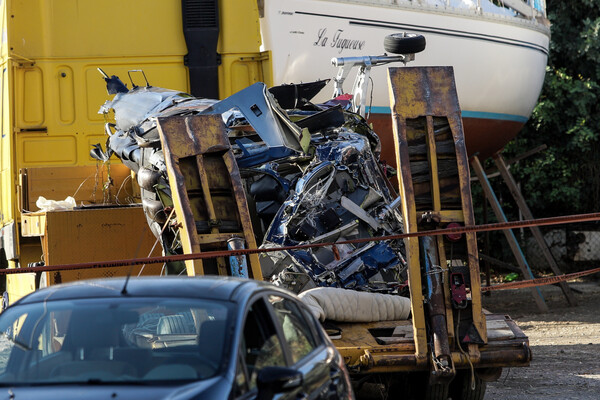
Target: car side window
[
  {"x": 53, "y": 332},
  {"x": 313, "y": 322},
  {"x": 295, "y": 327},
  {"x": 9, "y": 339},
  {"x": 241, "y": 385},
  {"x": 260, "y": 345}
]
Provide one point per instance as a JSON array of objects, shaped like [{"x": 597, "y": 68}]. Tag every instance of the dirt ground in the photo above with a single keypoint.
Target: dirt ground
[{"x": 565, "y": 343}]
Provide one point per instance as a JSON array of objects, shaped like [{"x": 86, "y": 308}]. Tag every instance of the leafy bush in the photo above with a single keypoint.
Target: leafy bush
[{"x": 565, "y": 178}]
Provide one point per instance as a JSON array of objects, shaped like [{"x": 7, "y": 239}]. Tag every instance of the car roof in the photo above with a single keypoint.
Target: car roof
[{"x": 201, "y": 287}]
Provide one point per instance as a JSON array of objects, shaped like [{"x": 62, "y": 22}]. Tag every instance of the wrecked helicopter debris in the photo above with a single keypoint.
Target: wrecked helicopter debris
[{"x": 312, "y": 175}]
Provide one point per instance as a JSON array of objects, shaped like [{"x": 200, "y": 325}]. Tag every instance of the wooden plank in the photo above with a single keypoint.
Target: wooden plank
[
  {"x": 499, "y": 330},
  {"x": 176, "y": 146},
  {"x": 510, "y": 236},
  {"x": 537, "y": 233},
  {"x": 403, "y": 331},
  {"x": 433, "y": 166}
]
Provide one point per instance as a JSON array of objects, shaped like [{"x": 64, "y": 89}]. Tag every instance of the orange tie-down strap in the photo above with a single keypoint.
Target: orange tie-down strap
[{"x": 458, "y": 230}]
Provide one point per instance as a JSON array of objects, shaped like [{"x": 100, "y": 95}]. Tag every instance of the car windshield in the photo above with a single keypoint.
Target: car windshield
[{"x": 141, "y": 340}]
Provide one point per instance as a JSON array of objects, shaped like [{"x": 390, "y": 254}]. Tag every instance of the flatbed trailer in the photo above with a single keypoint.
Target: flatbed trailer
[
  {"x": 449, "y": 345},
  {"x": 389, "y": 347}
]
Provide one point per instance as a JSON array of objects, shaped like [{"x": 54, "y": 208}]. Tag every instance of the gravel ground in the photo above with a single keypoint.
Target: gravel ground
[{"x": 565, "y": 343}]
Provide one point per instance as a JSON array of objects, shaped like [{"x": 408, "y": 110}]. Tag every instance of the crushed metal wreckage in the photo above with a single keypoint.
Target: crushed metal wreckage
[{"x": 311, "y": 173}]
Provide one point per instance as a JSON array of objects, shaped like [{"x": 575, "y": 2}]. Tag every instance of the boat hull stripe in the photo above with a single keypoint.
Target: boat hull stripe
[
  {"x": 465, "y": 114},
  {"x": 434, "y": 30}
]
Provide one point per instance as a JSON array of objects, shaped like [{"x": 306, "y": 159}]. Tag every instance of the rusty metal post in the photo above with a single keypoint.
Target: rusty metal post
[{"x": 443, "y": 369}]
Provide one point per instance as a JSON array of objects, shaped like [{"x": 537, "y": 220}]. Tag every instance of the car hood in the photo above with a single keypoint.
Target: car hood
[{"x": 211, "y": 388}]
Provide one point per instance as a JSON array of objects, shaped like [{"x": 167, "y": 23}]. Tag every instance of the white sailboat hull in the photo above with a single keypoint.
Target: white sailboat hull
[{"x": 499, "y": 61}]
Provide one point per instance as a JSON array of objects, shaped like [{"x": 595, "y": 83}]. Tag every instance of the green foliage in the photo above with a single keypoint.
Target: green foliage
[{"x": 565, "y": 178}]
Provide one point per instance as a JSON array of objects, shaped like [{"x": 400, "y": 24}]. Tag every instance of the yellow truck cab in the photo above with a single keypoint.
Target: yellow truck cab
[{"x": 51, "y": 91}]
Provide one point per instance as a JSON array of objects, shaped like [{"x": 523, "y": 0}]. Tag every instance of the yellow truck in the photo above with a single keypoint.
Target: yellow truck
[{"x": 51, "y": 91}]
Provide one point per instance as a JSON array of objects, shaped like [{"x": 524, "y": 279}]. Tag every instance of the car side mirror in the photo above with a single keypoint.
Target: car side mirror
[{"x": 274, "y": 380}]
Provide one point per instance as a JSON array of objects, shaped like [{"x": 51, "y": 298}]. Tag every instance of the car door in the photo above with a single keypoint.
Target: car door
[
  {"x": 307, "y": 350},
  {"x": 260, "y": 346}
]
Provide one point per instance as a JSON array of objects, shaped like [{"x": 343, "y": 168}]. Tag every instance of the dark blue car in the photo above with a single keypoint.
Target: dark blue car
[{"x": 161, "y": 337}]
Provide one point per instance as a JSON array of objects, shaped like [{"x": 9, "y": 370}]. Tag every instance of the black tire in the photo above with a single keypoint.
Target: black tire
[
  {"x": 404, "y": 43},
  {"x": 415, "y": 386},
  {"x": 436, "y": 392},
  {"x": 460, "y": 387}
]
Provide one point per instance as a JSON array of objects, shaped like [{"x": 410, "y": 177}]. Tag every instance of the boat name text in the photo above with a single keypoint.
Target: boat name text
[{"x": 337, "y": 41}]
